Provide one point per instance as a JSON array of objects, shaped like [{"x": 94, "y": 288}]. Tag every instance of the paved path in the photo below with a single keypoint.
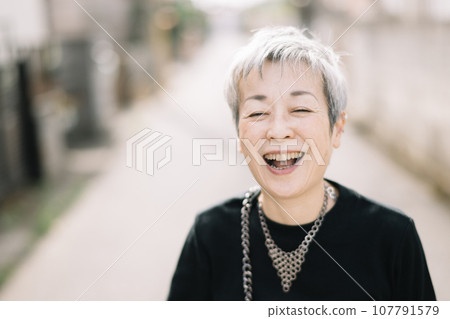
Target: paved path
[{"x": 128, "y": 227}]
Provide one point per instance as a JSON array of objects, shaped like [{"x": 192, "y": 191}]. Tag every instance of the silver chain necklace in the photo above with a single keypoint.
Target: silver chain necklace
[{"x": 287, "y": 264}]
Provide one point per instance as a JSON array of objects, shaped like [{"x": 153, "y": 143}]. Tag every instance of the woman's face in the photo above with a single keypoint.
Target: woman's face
[{"x": 284, "y": 129}]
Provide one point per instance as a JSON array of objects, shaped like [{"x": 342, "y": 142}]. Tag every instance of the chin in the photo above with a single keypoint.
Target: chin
[
  {"x": 282, "y": 187},
  {"x": 282, "y": 192},
  {"x": 290, "y": 185}
]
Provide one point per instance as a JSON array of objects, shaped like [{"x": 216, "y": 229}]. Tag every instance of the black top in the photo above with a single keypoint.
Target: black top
[{"x": 367, "y": 251}]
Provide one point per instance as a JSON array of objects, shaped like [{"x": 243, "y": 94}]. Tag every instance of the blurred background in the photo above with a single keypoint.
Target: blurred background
[{"x": 78, "y": 79}]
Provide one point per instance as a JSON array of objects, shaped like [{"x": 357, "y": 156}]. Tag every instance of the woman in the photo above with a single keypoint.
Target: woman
[{"x": 296, "y": 236}]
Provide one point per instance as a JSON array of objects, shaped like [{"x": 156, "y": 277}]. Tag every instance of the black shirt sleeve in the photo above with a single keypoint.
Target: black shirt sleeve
[
  {"x": 412, "y": 278},
  {"x": 192, "y": 275}
]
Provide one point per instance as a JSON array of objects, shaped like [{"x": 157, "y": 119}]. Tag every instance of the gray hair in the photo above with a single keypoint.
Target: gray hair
[{"x": 291, "y": 45}]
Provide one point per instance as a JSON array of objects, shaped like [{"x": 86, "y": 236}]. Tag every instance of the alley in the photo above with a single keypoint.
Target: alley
[{"x": 122, "y": 238}]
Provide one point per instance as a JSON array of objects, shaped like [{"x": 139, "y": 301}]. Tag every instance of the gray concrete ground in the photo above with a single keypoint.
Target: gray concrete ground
[{"x": 122, "y": 238}]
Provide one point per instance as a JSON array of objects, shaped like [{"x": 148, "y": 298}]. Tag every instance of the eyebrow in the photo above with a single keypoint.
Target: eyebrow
[
  {"x": 300, "y": 92},
  {"x": 257, "y": 97},
  {"x": 260, "y": 97}
]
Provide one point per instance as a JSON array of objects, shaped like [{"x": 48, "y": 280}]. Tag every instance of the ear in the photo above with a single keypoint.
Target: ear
[{"x": 338, "y": 129}]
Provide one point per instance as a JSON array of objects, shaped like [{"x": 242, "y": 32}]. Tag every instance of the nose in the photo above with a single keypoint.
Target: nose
[{"x": 280, "y": 127}]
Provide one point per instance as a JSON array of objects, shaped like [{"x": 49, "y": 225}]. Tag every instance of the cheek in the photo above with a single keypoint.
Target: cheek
[
  {"x": 327, "y": 147},
  {"x": 319, "y": 133},
  {"x": 314, "y": 128},
  {"x": 249, "y": 131},
  {"x": 245, "y": 138}
]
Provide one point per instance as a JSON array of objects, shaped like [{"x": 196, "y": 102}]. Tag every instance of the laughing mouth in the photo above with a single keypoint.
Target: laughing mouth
[{"x": 283, "y": 161}]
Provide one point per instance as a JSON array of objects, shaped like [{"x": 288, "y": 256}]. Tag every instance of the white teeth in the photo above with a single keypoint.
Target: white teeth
[{"x": 282, "y": 157}]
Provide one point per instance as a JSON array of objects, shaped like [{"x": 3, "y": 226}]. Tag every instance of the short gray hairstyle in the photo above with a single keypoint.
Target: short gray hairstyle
[{"x": 288, "y": 45}]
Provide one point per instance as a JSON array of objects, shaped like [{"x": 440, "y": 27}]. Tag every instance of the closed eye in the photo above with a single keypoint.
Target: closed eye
[
  {"x": 257, "y": 114},
  {"x": 302, "y": 111}
]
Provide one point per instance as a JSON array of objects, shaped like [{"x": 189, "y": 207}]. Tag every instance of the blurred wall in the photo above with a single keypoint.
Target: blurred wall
[
  {"x": 64, "y": 74},
  {"x": 21, "y": 30},
  {"x": 399, "y": 73}
]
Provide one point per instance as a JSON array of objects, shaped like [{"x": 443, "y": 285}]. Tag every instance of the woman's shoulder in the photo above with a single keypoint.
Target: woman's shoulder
[
  {"x": 221, "y": 214},
  {"x": 364, "y": 208},
  {"x": 219, "y": 223}
]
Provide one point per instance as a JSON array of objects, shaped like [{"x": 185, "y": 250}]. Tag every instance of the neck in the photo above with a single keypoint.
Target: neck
[{"x": 301, "y": 209}]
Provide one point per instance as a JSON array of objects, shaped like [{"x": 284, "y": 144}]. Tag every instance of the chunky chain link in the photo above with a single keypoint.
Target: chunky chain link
[
  {"x": 287, "y": 264},
  {"x": 245, "y": 240}
]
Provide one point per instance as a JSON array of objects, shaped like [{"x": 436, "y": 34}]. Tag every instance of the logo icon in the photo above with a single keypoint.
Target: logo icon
[{"x": 141, "y": 148}]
